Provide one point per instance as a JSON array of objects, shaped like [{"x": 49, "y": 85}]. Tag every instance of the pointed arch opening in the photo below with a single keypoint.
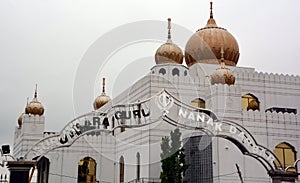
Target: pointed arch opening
[
  {"x": 87, "y": 170},
  {"x": 286, "y": 153},
  {"x": 250, "y": 102},
  {"x": 122, "y": 169}
]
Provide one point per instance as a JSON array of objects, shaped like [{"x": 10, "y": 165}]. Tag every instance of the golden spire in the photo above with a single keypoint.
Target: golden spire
[
  {"x": 35, "y": 92},
  {"x": 169, "y": 30},
  {"x": 103, "y": 85},
  {"x": 211, "y": 10},
  {"x": 101, "y": 99},
  {"x": 222, "y": 58}
]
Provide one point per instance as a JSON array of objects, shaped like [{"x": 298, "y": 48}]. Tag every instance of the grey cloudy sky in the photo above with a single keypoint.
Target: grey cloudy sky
[{"x": 43, "y": 41}]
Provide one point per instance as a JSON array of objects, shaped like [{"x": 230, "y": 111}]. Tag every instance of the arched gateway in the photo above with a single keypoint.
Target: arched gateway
[{"x": 162, "y": 107}]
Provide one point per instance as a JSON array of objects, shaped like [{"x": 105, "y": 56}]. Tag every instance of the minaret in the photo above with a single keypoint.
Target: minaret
[{"x": 32, "y": 126}]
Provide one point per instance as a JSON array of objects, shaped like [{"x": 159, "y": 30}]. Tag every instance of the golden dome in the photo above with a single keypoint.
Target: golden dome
[
  {"x": 169, "y": 52},
  {"x": 222, "y": 75},
  {"x": 35, "y": 107},
  {"x": 20, "y": 120},
  {"x": 102, "y": 99},
  {"x": 205, "y": 45}
]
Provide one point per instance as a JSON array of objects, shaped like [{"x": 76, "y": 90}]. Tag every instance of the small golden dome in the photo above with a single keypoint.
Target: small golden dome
[
  {"x": 169, "y": 52},
  {"x": 102, "y": 99},
  {"x": 222, "y": 75},
  {"x": 20, "y": 120},
  {"x": 35, "y": 107},
  {"x": 205, "y": 45}
]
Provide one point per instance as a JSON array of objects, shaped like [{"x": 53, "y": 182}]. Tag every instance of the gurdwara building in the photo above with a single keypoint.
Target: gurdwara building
[{"x": 228, "y": 115}]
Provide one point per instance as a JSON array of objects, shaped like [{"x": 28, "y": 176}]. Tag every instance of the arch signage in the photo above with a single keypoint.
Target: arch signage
[{"x": 161, "y": 107}]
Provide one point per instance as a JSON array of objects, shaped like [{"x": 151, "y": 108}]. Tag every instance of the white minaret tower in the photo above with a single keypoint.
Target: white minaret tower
[{"x": 30, "y": 128}]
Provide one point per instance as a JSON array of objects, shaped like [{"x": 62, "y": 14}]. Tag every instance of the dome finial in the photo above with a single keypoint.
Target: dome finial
[
  {"x": 101, "y": 99},
  {"x": 222, "y": 58},
  {"x": 211, "y": 10},
  {"x": 103, "y": 85},
  {"x": 169, "y": 30},
  {"x": 35, "y": 92}
]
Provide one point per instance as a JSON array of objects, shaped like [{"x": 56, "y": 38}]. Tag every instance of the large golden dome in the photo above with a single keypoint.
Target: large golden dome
[
  {"x": 222, "y": 75},
  {"x": 169, "y": 52},
  {"x": 205, "y": 45},
  {"x": 34, "y": 107},
  {"x": 102, "y": 99}
]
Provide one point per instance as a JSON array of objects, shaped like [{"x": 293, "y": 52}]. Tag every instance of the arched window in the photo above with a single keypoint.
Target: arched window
[
  {"x": 249, "y": 101},
  {"x": 175, "y": 71},
  {"x": 162, "y": 71},
  {"x": 87, "y": 170},
  {"x": 286, "y": 155},
  {"x": 121, "y": 164},
  {"x": 198, "y": 102},
  {"x": 138, "y": 166}
]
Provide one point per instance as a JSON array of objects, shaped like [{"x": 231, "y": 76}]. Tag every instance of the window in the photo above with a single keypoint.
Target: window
[
  {"x": 198, "y": 102},
  {"x": 87, "y": 170},
  {"x": 175, "y": 71},
  {"x": 43, "y": 170},
  {"x": 283, "y": 110},
  {"x": 138, "y": 166},
  {"x": 286, "y": 155},
  {"x": 122, "y": 123},
  {"x": 121, "y": 164},
  {"x": 249, "y": 101},
  {"x": 162, "y": 71}
]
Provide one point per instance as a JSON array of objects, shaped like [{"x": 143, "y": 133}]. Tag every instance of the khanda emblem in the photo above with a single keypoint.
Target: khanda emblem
[{"x": 164, "y": 102}]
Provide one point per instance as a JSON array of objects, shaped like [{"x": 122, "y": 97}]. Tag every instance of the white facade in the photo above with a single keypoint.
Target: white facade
[
  {"x": 273, "y": 91},
  {"x": 269, "y": 129}
]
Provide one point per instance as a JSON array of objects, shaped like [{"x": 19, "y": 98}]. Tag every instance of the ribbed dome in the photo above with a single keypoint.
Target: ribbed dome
[
  {"x": 222, "y": 75},
  {"x": 34, "y": 107},
  {"x": 205, "y": 45},
  {"x": 102, "y": 99},
  {"x": 169, "y": 52}
]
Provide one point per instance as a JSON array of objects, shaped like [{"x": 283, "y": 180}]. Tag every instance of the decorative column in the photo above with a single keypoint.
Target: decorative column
[{"x": 19, "y": 171}]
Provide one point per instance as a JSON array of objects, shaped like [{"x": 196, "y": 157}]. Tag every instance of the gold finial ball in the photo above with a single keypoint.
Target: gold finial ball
[
  {"x": 20, "y": 120},
  {"x": 222, "y": 75},
  {"x": 101, "y": 100},
  {"x": 205, "y": 46},
  {"x": 169, "y": 53},
  {"x": 34, "y": 108}
]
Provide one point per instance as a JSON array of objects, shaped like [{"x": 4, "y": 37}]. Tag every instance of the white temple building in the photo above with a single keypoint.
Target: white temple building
[{"x": 204, "y": 76}]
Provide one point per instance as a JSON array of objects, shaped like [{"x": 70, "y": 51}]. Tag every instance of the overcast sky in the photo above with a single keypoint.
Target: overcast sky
[{"x": 44, "y": 41}]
